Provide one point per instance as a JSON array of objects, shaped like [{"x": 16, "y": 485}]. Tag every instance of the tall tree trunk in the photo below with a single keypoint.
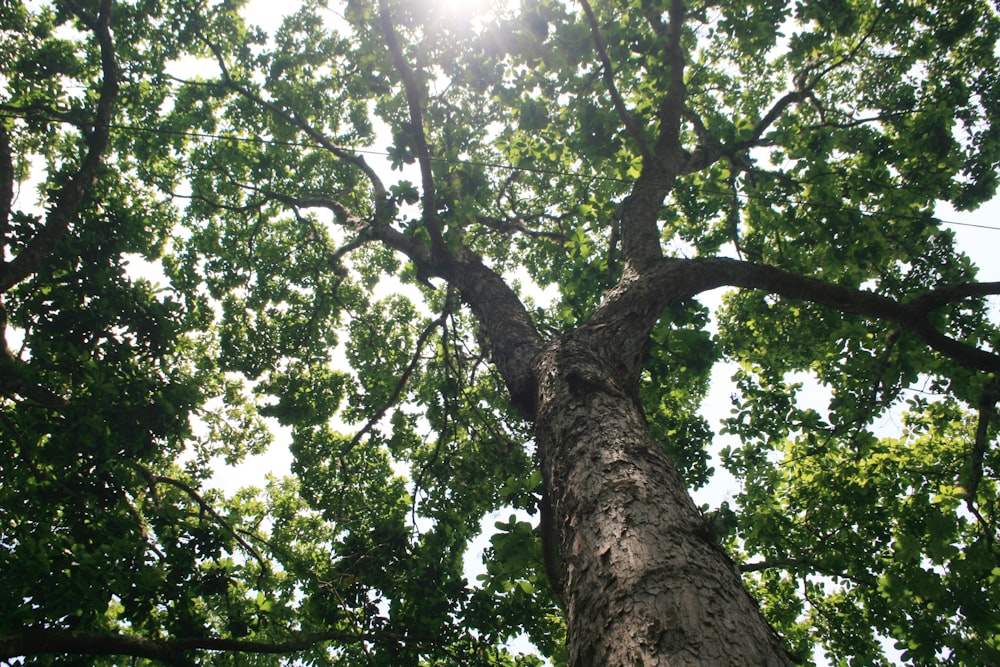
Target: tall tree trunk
[{"x": 642, "y": 581}]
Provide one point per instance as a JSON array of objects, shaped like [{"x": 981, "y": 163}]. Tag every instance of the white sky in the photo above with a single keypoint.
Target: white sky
[{"x": 981, "y": 244}]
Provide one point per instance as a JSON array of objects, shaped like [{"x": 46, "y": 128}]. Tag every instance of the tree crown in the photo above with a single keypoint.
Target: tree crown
[{"x": 556, "y": 172}]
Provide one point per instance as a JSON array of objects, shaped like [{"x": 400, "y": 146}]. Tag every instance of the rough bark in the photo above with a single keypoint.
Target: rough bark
[
  {"x": 642, "y": 580},
  {"x": 514, "y": 341}
]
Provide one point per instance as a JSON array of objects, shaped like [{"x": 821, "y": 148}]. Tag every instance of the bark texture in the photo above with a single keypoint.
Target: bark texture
[{"x": 642, "y": 581}]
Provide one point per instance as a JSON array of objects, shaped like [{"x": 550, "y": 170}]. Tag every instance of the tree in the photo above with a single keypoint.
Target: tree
[{"x": 626, "y": 157}]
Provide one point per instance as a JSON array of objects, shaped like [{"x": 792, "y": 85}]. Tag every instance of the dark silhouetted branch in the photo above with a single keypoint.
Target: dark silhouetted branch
[
  {"x": 608, "y": 73},
  {"x": 68, "y": 198}
]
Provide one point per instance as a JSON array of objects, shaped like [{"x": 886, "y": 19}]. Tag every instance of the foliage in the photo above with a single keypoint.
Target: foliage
[{"x": 302, "y": 299}]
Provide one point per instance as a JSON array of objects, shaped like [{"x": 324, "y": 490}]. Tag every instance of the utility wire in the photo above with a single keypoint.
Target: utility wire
[{"x": 475, "y": 163}]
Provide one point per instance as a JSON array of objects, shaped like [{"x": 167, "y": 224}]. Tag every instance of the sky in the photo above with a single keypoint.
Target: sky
[{"x": 977, "y": 234}]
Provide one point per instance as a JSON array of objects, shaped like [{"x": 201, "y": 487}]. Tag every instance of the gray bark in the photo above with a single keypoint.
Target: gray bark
[{"x": 642, "y": 580}]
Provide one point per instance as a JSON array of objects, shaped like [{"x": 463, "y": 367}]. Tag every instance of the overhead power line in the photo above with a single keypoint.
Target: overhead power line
[{"x": 475, "y": 163}]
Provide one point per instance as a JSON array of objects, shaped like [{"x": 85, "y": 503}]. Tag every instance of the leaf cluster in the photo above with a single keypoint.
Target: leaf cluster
[{"x": 295, "y": 292}]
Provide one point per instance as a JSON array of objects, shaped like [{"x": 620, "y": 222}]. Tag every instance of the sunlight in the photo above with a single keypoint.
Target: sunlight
[
  {"x": 460, "y": 9},
  {"x": 457, "y": 13}
]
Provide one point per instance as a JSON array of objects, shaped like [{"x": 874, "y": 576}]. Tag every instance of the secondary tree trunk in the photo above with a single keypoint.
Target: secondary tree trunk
[{"x": 642, "y": 581}]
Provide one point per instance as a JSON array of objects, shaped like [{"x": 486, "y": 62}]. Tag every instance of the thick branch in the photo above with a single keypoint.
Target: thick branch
[
  {"x": 671, "y": 108},
  {"x": 987, "y": 413},
  {"x": 633, "y": 307},
  {"x": 300, "y": 642},
  {"x": 717, "y": 272},
  {"x": 11, "y": 382},
  {"x": 47, "y": 642},
  {"x": 945, "y": 295},
  {"x": 417, "y": 131},
  {"x": 170, "y": 652},
  {"x": 69, "y": 197},
  {"x": 12, "y": 369},
  {"x": 656, "y": 21},
  {"x": 514, "y": 342},
  {"x": 33, "y": 111},
  {"x": 631, "y": 126},
  {"x": 640, "y": 211}
]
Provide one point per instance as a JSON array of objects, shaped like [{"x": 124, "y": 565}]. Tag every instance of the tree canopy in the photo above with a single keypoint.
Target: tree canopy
[{"x": 450, "y": 255}]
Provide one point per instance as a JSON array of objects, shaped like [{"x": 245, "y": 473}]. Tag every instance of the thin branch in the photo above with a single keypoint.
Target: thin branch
[
  {"x": 400, "y": 384},
  {"x": 608, "y": 72},
  {"x": 153, "y": 480},
  {"x": 517, "y": 226},
  {"x": 68, "y": 198},
  {"x": 775, "y": 112},
  {"x": 344, "y": 216},
  {"x": 250, "y": 206},
  {"x": 794, "y": 564},
  {"x": 806, "y": 80},
  {"x": 293, "y": 119},
  {"x": 379, "y": 229},
  {"x": 711, "y": 149},
  {"x": 142, "y": 523}
]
